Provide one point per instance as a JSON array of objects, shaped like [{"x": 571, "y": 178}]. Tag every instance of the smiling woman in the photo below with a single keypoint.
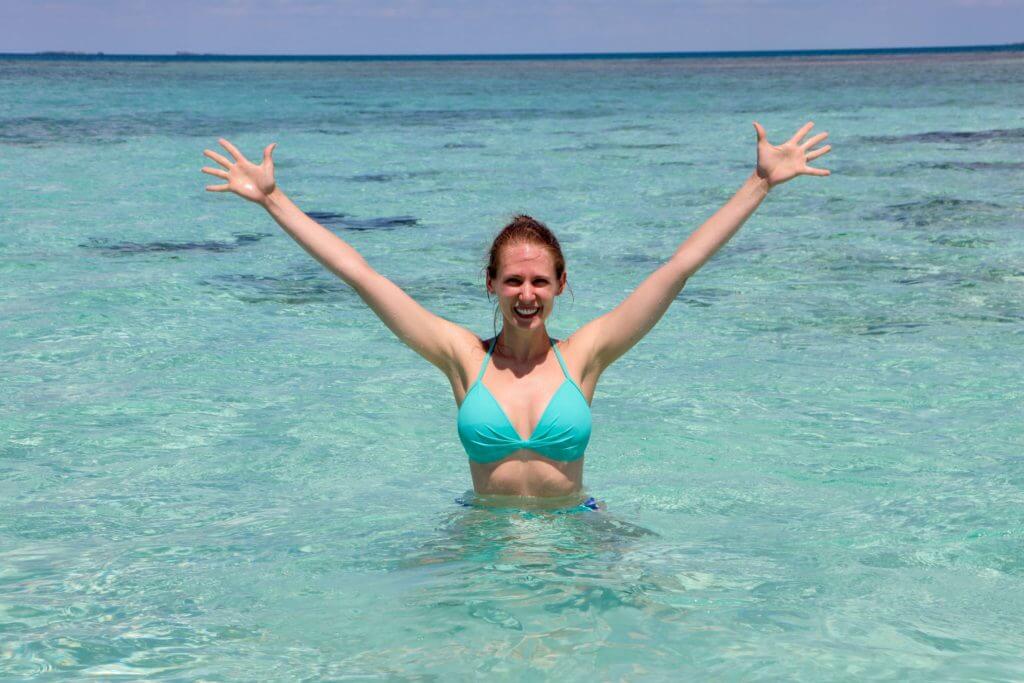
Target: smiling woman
[
  {"x": 527, "y": 271},
  {"x": 521, "y": 381}
]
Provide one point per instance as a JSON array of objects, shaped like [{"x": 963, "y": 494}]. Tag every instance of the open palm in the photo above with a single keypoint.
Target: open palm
[
  {"x": 777, "y": 164},
  {"x": 246, "y": 179}
]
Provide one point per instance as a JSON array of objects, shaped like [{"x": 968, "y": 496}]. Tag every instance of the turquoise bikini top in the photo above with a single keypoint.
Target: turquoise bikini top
[{"x": 561, "y": 434}]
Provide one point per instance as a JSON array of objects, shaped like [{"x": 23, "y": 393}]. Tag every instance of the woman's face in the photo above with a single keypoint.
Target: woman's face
[{"x": 526, "y": 285}]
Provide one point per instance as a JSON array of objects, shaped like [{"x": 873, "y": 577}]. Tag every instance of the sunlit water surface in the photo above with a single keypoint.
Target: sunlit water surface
[{"x": 215, "y": 463}]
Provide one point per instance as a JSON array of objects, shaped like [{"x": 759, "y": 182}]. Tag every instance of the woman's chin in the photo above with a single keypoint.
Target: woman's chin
[
  {"x": 526, "y": 323},
  {"x": 516, "y": 323},
  {"x": 521, "y": 323}
]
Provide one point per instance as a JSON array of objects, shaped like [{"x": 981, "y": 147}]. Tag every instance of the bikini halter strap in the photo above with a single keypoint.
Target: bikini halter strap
[
  {"x": 558, "y": 355},
  {"x": 487, "y": 358},
  {"x": 490, "y": 350}
]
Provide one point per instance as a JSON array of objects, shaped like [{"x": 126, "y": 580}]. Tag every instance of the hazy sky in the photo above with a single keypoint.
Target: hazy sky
[{"x": 498, "y": 26}]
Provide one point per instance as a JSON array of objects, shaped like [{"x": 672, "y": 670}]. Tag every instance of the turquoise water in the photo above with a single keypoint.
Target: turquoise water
[{"x": 215, "y": 463}]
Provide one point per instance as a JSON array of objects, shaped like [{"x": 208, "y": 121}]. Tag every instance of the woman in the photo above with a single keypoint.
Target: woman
[{"x": 522, "y": 382}]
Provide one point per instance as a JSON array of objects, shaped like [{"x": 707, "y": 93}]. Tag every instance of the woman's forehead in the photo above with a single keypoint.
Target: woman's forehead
[{"x": 527, "y": 257}]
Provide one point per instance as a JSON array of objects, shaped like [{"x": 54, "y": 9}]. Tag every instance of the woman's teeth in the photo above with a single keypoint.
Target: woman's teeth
[{"x": 526, "y": 312}]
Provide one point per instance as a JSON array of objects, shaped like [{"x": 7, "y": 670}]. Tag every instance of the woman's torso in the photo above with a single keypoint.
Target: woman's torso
[{"x": 524, "y": 395}]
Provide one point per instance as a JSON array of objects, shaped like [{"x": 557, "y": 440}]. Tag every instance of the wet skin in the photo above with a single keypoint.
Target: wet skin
[{"x": 524, "y": 374}]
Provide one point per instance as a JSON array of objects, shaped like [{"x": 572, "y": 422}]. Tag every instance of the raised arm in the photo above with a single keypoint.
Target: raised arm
[
  {"x": 431, "y": 336},
  {"x": 606, "y": 338}
]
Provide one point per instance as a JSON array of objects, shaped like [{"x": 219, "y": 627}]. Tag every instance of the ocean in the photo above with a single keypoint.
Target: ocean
[{"x": 217, "y": 464}]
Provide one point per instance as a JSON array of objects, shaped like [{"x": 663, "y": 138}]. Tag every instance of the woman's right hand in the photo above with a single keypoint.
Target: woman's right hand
[{"x": 245, "y": 178}]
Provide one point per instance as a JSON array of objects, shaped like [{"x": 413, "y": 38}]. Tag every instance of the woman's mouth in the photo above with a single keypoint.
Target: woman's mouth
[{"x": 525, "y": 312}]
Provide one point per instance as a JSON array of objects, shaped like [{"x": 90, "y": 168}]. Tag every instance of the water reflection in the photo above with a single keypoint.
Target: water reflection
[{"x": 509, "y": 566}]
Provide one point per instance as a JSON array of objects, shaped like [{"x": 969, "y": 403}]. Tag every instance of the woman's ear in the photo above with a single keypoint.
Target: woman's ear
[{"x": 561, "y": 284}]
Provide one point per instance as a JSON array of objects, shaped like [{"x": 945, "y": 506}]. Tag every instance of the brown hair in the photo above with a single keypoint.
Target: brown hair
[{"x": 525, "y": 229}]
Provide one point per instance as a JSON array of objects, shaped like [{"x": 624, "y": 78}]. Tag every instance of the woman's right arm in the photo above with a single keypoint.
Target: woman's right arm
[{"x": 436, "y": 339}]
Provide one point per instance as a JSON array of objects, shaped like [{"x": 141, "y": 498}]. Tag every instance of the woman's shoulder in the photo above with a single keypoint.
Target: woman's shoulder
[
  {"x": 469, "y": 352},
  {"x": 578, "y": 352},
  {"x": 573, "y": 345},
  {"x": 571, "y": 351}
]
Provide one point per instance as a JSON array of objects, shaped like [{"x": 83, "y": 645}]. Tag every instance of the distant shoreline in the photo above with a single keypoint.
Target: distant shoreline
[{"x": 213, "y": 57}]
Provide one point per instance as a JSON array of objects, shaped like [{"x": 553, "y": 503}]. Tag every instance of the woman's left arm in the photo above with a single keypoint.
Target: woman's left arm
[{"x": 606, "y": 338}]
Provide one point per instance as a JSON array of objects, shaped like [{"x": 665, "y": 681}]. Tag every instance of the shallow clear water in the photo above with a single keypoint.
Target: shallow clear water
[{"x": 216, "y": 463}]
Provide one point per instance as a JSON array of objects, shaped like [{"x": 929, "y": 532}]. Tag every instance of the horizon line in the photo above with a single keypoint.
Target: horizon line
[{"x": 185, "y": 55}]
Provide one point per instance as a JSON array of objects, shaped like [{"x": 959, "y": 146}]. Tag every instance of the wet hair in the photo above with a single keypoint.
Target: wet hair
[{"x": 525, "y": 229}]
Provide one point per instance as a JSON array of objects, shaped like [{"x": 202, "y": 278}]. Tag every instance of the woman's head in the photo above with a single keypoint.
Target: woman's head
[{"x": 526, "y": 270}]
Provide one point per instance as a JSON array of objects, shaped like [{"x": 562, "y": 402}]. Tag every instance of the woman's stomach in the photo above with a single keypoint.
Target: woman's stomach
[{"x": 524, "y": 473}]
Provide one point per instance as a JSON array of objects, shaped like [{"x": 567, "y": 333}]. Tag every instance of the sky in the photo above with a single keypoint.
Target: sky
[{"x": 368, "y": 27}]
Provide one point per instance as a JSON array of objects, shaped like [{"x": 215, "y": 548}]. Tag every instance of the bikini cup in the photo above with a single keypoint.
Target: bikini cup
[{"x": 562, "y": 433}]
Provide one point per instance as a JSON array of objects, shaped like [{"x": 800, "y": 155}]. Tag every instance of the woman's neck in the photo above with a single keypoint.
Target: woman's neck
[{"x": 523, "y": 345}]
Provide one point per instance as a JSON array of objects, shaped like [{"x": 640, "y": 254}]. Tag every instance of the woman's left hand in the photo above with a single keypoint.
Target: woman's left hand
[{"x": 788, "y": 160}]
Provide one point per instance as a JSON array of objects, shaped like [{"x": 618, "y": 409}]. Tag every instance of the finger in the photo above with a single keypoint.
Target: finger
[
  {"x": 761, "y": 135},
  {"x": 268, "y": 151},
  {"x": 216, "y": 188},
  {"x": 817, "y": 171},
  {"x": 815, "y": 153},
  {"x": 802, "y": 132},
  {"x": 215, "y": 172},
  {"x": 815, "y": 140},
  {"x": 231, "y": 149},
  {"x": 222, "y": 160}
]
